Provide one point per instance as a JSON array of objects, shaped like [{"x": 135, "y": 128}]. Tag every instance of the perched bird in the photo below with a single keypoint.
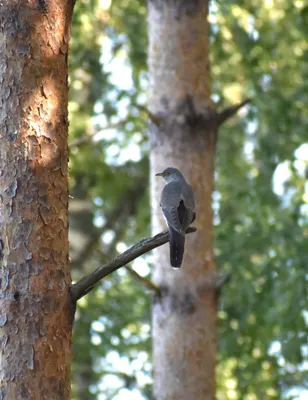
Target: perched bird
[{"x": 178, "y": 206}]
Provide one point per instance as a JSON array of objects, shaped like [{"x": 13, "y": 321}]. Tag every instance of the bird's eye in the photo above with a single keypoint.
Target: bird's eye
[{"x": 168, "y": 173}]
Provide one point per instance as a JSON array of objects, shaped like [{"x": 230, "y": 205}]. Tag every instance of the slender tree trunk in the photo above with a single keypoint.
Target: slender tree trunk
[
  {"x": 184, "y": 136},
  {"x": 35, "y": 308}
]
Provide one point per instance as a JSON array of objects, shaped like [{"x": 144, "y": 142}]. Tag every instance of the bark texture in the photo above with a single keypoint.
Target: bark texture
[
  {"x": 35, "y": 307},
  {"x": 184, "y": 315}
]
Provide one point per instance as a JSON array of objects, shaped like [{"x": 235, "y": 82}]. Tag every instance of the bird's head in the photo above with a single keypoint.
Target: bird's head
[{"x": 170, "y": 174}]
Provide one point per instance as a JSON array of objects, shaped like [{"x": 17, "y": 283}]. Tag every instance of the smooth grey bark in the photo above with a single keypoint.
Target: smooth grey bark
[{"x": 183, "y": 135}]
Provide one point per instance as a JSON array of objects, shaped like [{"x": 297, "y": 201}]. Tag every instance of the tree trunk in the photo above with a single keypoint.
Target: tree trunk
[
  {"x": 35, "y": 307},
  {"x": 183, "y": 136}
]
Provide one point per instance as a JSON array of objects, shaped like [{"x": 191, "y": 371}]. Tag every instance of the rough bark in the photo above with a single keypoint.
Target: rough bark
[
  {"x": 184, "y": 315},
  {"x": 35, "y": 306}
]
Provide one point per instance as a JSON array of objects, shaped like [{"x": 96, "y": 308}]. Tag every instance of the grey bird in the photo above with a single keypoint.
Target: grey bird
[{"x": 178, "y": 207}]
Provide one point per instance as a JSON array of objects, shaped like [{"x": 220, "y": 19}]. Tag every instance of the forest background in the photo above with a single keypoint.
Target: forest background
[{"x": 258, "y": 50}]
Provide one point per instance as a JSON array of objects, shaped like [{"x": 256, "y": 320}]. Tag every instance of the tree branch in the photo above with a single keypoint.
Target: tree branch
[
  {"x": 146, "y": 282},
  {"x": 154, "y": 118},
  {"x": 120, "y": 374},
  {"x": 87, "y": 138},
  {"x": 116, "y": 219},
  {"x": 222, "y": 280},
  {"x": 87, "y": 283},
  {"x": 228, "y": 112}
]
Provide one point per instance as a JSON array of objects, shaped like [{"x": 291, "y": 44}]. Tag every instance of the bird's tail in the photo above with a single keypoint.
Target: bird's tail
[{"x": 176, "y": 243}]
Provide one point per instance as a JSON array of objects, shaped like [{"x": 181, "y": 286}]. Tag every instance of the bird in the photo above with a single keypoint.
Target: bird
[{"x": 178, "y": 206}]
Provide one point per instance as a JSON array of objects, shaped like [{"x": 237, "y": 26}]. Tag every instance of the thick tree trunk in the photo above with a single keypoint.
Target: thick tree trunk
[
  {"x": 184, "y": 316},
  {"x": 35, "y": 308}
]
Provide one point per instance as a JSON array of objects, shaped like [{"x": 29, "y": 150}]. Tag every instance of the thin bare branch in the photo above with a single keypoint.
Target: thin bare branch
[
  {"x": 154, "y": 118},
  {"x": 230, "y": 111},
  {"x": 116, "y": 219},
  {"x": 90, "y": 136},
  {"x": 87, "y": 283},
  {"x": 222, "y": 280},
  {"x": 145, "y": 281}
]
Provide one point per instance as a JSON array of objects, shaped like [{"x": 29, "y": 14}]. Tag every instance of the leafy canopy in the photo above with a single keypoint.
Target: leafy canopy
[{"x": 258, "y": 50}]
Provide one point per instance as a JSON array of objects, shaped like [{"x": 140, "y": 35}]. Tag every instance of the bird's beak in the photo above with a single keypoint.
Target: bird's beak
[{"x": 159, "y": 174}]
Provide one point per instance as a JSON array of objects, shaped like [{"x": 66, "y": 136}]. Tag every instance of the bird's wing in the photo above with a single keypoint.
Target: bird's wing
[
  {"x": 172, "y": 219},
  {"x": 186, "y": 215},
  {"x": 187, "y": 196},
  {"x": 171, "y": 195},
  {"x": 169, "y": 202}
]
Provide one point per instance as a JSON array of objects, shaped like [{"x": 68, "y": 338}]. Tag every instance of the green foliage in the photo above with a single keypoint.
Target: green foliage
[
  {"x": 103, "y": 174},
  {"x": 258, "y": 50}
]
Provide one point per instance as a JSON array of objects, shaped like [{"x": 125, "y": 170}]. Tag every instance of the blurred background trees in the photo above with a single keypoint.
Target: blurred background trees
[{"x": 258, "y": 50}]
